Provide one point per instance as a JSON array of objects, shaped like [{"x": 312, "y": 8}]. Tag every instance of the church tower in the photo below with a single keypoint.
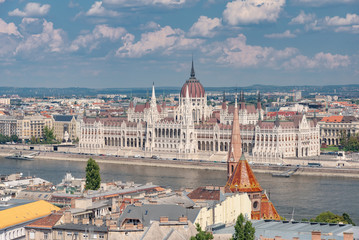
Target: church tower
[
  {"x": 242, "y": 179},
  {"x": 235, "y": 149}
]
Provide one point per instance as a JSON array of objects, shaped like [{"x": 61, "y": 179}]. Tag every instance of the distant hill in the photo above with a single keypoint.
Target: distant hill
[{"x": 340, "y": 90}]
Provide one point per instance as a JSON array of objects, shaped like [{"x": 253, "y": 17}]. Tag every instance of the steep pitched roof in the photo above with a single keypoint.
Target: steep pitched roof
[
  {"x": 235, "y": 150},
  {"x": 243, "y": 179},
  {"x": 24, "y": 213},
  {"x": 268, "y": 210}
]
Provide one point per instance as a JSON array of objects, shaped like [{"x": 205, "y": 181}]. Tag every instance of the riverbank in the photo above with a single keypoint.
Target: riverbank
[{"x": 191, "y": 164}]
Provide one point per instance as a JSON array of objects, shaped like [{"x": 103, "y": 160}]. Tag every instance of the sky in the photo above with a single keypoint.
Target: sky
[{"x": 132, "y": 43}]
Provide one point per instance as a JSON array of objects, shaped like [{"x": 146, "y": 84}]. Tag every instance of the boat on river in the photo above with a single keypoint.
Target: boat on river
[{"x": 20, "y": 156}]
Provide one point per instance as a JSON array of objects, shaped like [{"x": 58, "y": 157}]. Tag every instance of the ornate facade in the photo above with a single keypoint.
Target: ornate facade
[{"x": 195, "y": 130}]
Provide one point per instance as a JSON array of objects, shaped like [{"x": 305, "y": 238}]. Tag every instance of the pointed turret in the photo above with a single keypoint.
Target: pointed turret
[
  {"x": 235, "y": 149},
  {"x": 153, "y": 97},
  {"x": 193, "y": 74},
  {"x": 163, "y": 101},
  {"x": 277, "y": 121},
  {"x": 243, "y": 103},
  {"x": 224, "y": 104},
  {"x": 259, "y": 105}
]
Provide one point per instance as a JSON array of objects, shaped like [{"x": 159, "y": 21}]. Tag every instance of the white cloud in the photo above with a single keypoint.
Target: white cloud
[
  {"x": 351, "y": 29},
  {"x": 92, "y": 39},
  {"x": 50, "y": 39},
  {"x": 165, "y": 39},
  {"x": 1, "y": 1},
  {"x": 8, "y": 28},
  {"x": 204, "y": 27},
  {"x": 236, "y": 52},
  {"x": 286, "y": 34},
  {"x": 129, "y": 3},
  {"x": 252, "y": 11},
  {"x": 320, "y": 60},
  {"x": 338, "y": 21},
  {"x": 98, "y": 10},
  {"x": 302, "y": 18},
  {"x": 317, "y": 3},
  {"x": 31, "y": 9}
]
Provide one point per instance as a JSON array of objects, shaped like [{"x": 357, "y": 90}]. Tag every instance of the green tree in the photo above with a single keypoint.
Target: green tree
[
  {"x": 93, "y": 178},
  {"x": 48, "y": 135},
  {"x": 201, "y": 235},
  {"x": 330, "y": 217},
  {"x": 243, "y": 230},
  {"x": 33, "y": 140}
]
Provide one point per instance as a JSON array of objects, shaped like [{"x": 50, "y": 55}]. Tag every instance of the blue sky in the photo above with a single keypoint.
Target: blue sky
[{"x": 131, "y": 43}]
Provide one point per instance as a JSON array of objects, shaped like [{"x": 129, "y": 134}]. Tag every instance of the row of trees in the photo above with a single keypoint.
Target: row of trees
[
  {"x": 329, "y": 217},
  {"x": 4, "y": 139},
  {"x": 350, "y": 142}
]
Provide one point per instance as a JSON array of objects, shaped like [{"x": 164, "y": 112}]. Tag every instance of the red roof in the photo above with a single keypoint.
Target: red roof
[
  {"x": 46, "y": 222},
  {"x": 268, "y": 210},
  {"x": 243, "y": 179},
  {"x": 203, "y": 193},
  {"x": 195, "y": 88},
  {"x": 332, "y": 119}
]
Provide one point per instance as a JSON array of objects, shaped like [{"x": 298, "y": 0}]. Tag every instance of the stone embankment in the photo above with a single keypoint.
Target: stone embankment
[{"x": 186, "y": 164}]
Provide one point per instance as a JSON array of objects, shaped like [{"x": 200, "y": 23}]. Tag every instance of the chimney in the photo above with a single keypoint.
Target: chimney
[
  {"x": 348, "y": 236},
  {"x": 73, "y": 203},
  {"x": 163, "y": 219},
  {"x": 67, "y": 217},
  {"x": 316, "y": 235},
  {"x": 113, "y": 205}
]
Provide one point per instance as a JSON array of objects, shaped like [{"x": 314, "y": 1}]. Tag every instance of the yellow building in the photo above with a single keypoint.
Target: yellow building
[
  {"x": 219, "y": 207},
  {"x": 13, "y": 220},
  {"x": 32, "y": 126}
]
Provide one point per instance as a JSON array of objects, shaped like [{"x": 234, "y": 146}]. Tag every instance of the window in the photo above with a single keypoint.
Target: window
[
  {"x": 32, "y": 235},
  {"x": 94, "y": 236},
  {"x": 101, "y": 236},
  {"x": 69, "y": 234},
  {"x": 59, "y": 233},
  {"x": 85, "y": 235},
  {"x": 45, "y": 235}
]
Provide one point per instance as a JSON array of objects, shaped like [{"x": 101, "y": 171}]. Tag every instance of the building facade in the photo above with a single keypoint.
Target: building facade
[
  {"x": 194, "y": 130},
  {"x": 334, "y": 127}
]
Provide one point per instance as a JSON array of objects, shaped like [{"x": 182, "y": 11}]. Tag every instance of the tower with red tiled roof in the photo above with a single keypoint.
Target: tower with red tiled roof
[
  {"x": 242, "y": 179},
  {"x": 235, "y": 149}
]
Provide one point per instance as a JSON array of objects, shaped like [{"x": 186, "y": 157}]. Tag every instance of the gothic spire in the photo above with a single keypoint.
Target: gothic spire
[{"x": 193, "y": 75}]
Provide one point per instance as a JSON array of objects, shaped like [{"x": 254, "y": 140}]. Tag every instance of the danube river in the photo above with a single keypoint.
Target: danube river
[{"x": 307, "y": 195}]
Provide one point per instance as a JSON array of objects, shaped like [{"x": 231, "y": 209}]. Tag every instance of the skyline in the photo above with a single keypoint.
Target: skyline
[{"x": 128, "y": 44}]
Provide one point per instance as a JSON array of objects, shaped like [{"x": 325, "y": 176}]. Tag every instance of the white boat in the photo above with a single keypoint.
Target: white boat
[{"x": 20, "y": 156}]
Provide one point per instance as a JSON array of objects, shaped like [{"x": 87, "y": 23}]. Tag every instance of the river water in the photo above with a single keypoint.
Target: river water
[{"x": 307, "y": 195}]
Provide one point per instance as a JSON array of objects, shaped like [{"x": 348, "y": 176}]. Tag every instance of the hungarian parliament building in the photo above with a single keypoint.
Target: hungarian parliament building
[{"x": 195, "y": 130}]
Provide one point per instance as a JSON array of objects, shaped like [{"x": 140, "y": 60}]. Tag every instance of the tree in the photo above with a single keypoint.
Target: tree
[
  {"x": 330, "y": 217},
  {"x": 48, "y": 135},
  {"x": 243, "y": 230},
  {"x": 93, "y": 178},
  {"x": 201, "y": 235}
]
